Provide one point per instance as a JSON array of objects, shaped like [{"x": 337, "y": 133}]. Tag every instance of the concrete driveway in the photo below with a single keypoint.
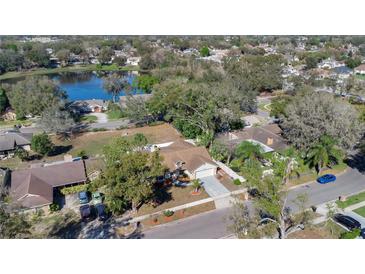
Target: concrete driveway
[
  {"x": 213, "y": 186},
  {"x": 102, "y": 117}
]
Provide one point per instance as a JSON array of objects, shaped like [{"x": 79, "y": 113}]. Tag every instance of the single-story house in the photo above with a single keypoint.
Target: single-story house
[
  {"x": 343, "y": 71},
  {"x": 11, "y": 140},
  {"x": 268, "y": 137},
  {"x": 86, "y": 106},
  {"x": 360, "y": 69},
  {"x": 192, "y": 160},
  {"x": 34, "y": 187}
]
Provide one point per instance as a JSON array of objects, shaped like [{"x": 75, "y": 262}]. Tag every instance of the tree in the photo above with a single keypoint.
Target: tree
[
  {"x": 136, "y": 109},
  {"x": 120, "y": 61},
  {"x": 145, "y": 82},
  {"x": 219, "y": 151},
  {"x": 313, "y": 114},
  {"x": 353, "y": 62},
  {"x": 248, "y": 150},
  {"x": 204, "y": 51},
  {"x": 114, "y": 84},
  {"x": 42, "y": 144},
  {"x": 271, "y": 215},
  {"x": 4, "y": 102},
  {"x": 323, "y": 153},
  {"x": 278, "y": 105},
  {"x": 146, "y": 62},
  {"x": 105, "y": 55},
  {"x": 56, "y": 119},
  {"x": 33, "y": 95},
  {"x": 311, "y": 62},
  {"x": 63, "y": 56},
  {"x": 38, "y": 56},
  {"x": 13, "y": 225},
  {"x": 130, "y": 173}
]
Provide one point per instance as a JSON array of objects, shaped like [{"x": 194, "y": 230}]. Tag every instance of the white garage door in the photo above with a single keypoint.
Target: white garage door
[{"x": 205, "y": 173}]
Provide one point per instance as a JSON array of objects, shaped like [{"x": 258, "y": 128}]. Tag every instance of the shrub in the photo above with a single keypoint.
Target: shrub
[
  {"x": 168, "y": 213},
  {"x": 22, "y": 154},
  {"x": 237, "y": 182},
  {"x": 155, "y": 123},
  {"x": 350, "y": 234},
  {"x": 73, "y": 189},
  {"x": 82, "y": 154},
  {"x": 54, "y": 207}
]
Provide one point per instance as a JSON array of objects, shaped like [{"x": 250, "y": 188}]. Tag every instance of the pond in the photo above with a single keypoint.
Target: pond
[{"x": 85, "y": 85}]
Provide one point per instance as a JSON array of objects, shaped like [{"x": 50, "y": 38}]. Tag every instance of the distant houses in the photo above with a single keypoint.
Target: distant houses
[
  {"x": 87, "y": 106},
  {"x": 360, "y": 69}
]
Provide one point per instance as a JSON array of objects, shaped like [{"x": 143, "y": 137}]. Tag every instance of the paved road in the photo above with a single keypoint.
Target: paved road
[{"x": 212, "y": 224}]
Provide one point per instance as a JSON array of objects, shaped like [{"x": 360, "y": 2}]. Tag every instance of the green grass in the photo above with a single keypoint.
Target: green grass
[
  {"x": 355, "y": 199},
  {"x": 15, "y": 122},
  {"x": 360, "y": 211},
  {"x": 44, "y": 71},
  {"x": 115, "y": 114},
  {"x": 89, "y": 118},
  {"x": 359, "y": 76}
]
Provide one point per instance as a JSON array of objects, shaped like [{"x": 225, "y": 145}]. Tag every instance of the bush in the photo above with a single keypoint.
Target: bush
[
  {"x": 98, "y": 129},
  {"x": 73, "y": 189},
  {"x": 168, "y": 213},
  {"x": 42, "y": 144},
  {"x": 155, "y": 123},
  {"x": 350, "y": 234},
  {"x": 82, "y": 154},
  {"x": 22, "y": 154},
  {"x": 237, "y": 182},
  {"x": 54, "y": 207}
]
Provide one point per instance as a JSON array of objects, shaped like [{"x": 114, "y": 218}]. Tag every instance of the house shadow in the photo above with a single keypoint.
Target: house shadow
[{"x": 356, "y": 161}]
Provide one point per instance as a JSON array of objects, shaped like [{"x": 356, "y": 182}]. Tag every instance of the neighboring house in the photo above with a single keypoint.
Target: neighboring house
[
  {"x": 192, "y": 160},
  {"x": 35, "y": 187},
  {"x": 360, "y": 69},
  {"x": 86, "y": 106},
  {"x": 343, "y": 72},
  {"x": 133, "y": 61},
  {"x": 12, "y": 140},
  {"x": 268, "y": 137},
  {"x": 330, "y": 64}
]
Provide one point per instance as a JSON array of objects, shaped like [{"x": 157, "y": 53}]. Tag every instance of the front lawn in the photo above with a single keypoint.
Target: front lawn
[
  {"x": 171, "y": 197},
  {"x": 331, "y": 230},
  {"x": 355, "y": 199},
  {"x": 15, "y": 122},
  {"x": 360, "y": 211},
  {"x": 89, "y": 118}
]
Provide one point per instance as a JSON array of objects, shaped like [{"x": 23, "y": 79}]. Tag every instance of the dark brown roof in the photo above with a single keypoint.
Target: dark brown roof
[
  {"x": 181, "y": 151},
  {"x": 34, "y": 187},
  {"x": 269, "y": 135}
]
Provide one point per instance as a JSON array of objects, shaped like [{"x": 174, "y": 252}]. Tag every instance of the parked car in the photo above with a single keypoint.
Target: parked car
[
  {"x": 100, "y": 211},
  {"x": 83, "y": 197},
  {"x": 85, "y": 211},
  {"x": 325, "y": 179},
  {"x": 347, "y": 221},
  {"x": 97, "y": 198}
]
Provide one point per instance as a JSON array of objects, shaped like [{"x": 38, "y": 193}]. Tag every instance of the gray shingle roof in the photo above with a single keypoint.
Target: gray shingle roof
[{"x": 9, "y": 140}]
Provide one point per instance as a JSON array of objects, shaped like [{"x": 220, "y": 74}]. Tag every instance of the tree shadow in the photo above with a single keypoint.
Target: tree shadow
[
  {"x": 161, "y": 194},
  {"x": 356, "y": 161},
  {"x": 57, "y": 150}
]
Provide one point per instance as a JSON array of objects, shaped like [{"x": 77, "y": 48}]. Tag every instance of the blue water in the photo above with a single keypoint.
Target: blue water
[{"x": 87, "y": 85}]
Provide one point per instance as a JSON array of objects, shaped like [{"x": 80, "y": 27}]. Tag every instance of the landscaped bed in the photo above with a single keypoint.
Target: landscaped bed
[
  {"x": 320, "y": 231},
  {"x": 180, "y": 214},
  {"x": 355, "y": 199}
]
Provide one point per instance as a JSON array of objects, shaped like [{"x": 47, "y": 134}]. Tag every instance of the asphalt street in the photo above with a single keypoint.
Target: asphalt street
[{"x": 213, "y": 225}]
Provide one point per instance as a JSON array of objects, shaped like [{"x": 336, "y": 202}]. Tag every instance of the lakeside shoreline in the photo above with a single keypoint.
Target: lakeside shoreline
[{"x": 45, "y": 71}]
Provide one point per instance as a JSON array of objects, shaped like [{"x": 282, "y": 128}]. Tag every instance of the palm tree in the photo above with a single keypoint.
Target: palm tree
[
  {"x": 248, "y": 150},
  {"x": 196, "y": 185},
  {"x": 324, "y": 153},
  {"x": 114, "y": 84}
]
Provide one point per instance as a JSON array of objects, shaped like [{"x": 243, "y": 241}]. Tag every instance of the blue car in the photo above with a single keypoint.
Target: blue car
[
  {"x": 83, "y": 198},
  {"x": 325, "y": 179}
]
